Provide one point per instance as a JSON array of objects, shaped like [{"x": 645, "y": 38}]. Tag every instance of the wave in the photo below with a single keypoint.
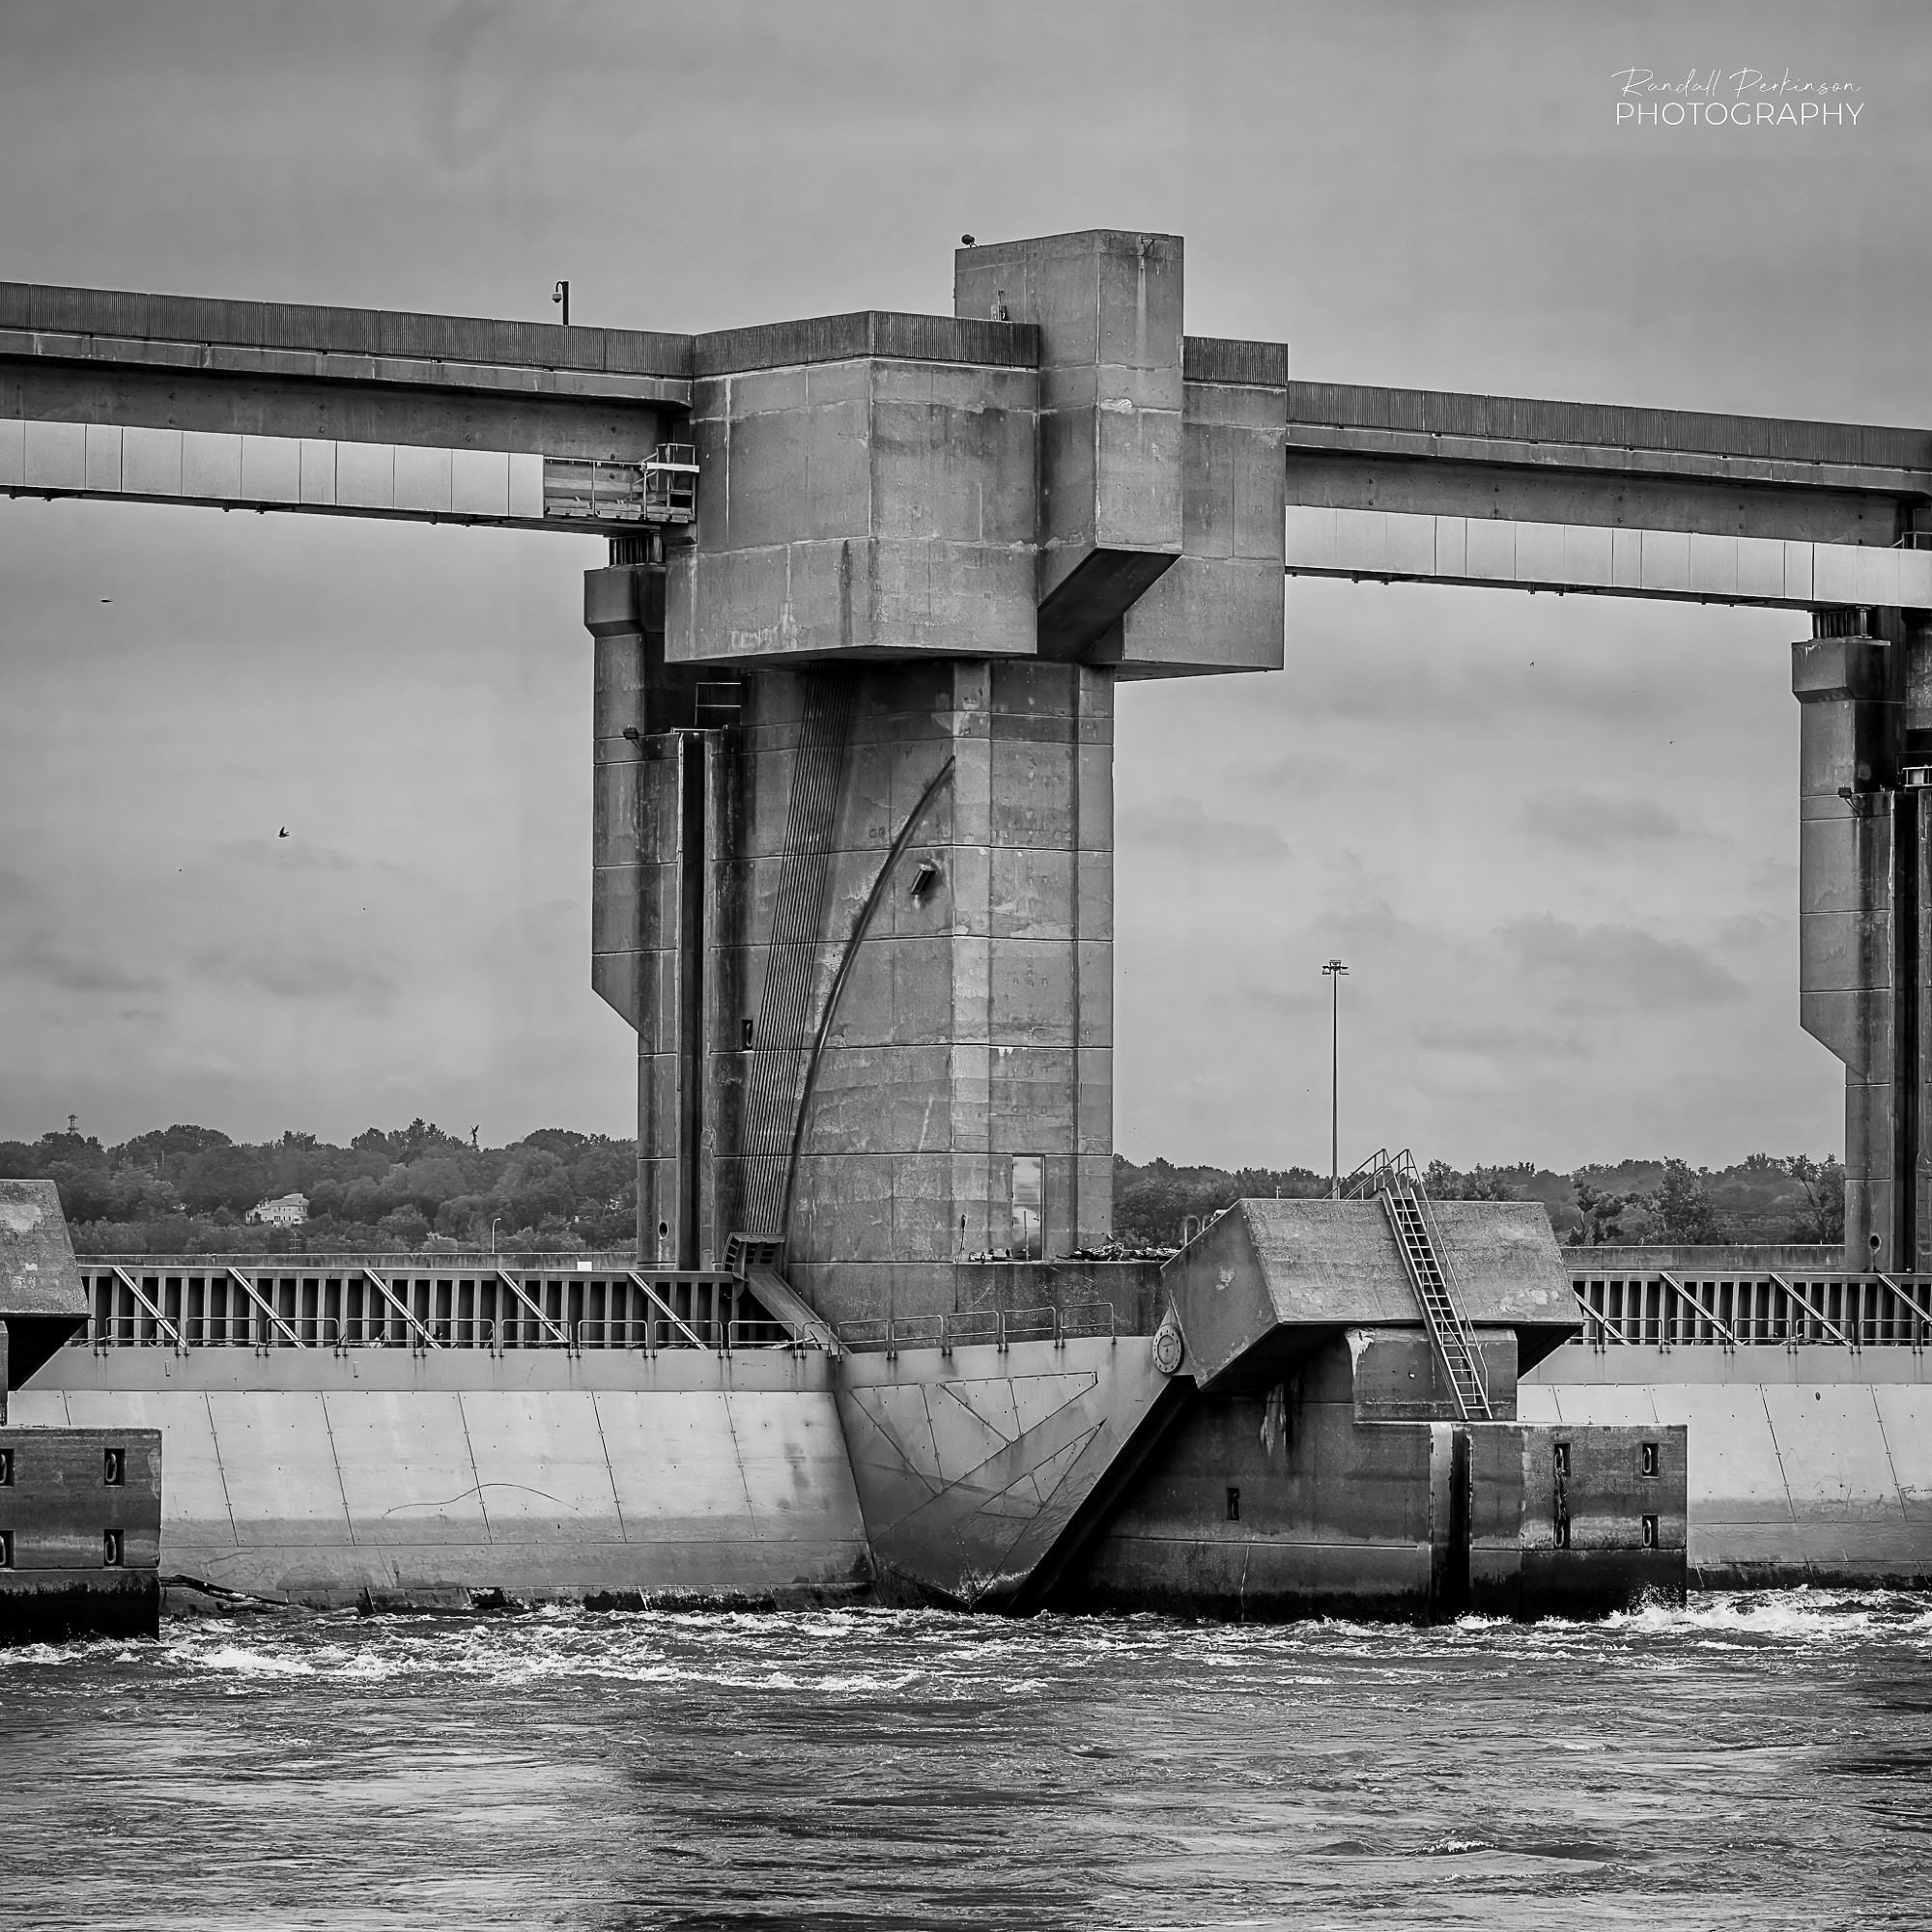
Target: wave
[{"x": 886, "y": 1653}]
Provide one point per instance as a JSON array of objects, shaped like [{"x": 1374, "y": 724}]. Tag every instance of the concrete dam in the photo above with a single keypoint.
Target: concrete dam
[{"x": 872, "y": 581}]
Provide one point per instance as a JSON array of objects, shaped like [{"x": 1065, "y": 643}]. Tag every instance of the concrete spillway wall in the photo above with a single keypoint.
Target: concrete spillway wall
[
  {"x": 424, "y": 1480},
  {"x": 1809, "y": 1465}
]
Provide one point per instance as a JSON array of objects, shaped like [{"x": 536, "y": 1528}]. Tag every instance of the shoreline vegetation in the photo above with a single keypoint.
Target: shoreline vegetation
[{"x": 190, "y": 1190}]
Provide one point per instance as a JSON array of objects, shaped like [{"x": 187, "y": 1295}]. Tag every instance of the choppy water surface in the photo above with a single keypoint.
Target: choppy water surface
[{"x": 1750, "y": 1761}]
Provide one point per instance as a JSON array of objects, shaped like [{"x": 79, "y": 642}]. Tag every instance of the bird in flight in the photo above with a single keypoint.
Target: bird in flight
[{"x": 283, "y": 833}]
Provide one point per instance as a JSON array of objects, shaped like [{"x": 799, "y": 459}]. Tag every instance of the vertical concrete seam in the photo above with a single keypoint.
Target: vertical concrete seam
[
  {"x": 221, "y": 1472},
  {"x": 610, "y": 1468},
  {"x": 336, "y": 1462},
  {"x": 738, "y": 1457},
  {"x": 1898, "y": 1487},
  {"x": 1778, "y": 1450},
  {"x": 475, "y": 1475}
]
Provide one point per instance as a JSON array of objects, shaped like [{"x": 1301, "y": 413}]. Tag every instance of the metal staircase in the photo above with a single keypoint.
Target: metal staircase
[
  {"x": 754, "y": 1259},
  {"x": 1430, "y": 1272}
]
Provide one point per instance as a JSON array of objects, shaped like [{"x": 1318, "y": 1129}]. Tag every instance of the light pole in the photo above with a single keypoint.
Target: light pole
[{"x": 1332, "y": 973}]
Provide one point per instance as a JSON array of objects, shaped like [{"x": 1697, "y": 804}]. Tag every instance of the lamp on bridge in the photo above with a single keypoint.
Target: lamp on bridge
[{"x": 1332, "y": 973}]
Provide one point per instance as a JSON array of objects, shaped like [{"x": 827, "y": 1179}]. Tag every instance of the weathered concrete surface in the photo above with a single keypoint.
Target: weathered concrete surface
[
  {"x": 1108, "y": 309},
  {"x": 1807, "y": 1466},
  {"x": 1129, "y": 1294},
  {"x": 860, "y": 504},
  {"x": 1398, "y": 1374},
  {"x": 1220, "y": 605},
  {"x": 1271, "y": 1278},
  {"x": 81, "y": 1528},
  {"x": 1849, "y": 843},
  {"x": 41, "y": 1301},
  {"x": 972, "y": 1467},
  {"x": 814, "y": 1033},
  {"x": 384, "y": 1477},
  {"x": 1306, "y": 1501},
  {"x": 1705, "y": 1258},
  {"x": 1416, "y": 451}
]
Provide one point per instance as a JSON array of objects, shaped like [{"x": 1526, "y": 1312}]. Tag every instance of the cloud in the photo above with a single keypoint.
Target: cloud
[
  {"x": 1610, "y": 969},
  {"x": 300, "y": 974},
  {"x": 1507, "y": 1041},
  {"x": 296, "y": 854},
  {"x": 1588, "y": 821},
  {"x": 1754, "y": 931},
  {"x": 1184, "y": 826},
  {"x": 41, "y": 956}
]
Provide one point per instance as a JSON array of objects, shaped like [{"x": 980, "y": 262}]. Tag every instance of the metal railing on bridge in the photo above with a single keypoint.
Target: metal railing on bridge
[
  {"x": 342, "y": 1303},
  {"x": 980, "y": 1327},
  {"x": 1767, "y": 1308}
]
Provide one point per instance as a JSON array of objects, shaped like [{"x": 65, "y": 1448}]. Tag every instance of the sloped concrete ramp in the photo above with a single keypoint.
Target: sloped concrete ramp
[{"x": 974, "y": 1467}]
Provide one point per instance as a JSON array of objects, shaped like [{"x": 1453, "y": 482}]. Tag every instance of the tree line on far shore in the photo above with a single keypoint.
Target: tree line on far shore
[
  {"x": 1762, "y": 1199},
  {"x": 188, "y": 1189}
]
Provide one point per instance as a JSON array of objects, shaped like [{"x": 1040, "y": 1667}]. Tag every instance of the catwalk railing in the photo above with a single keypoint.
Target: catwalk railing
[
  {"x": 982, "y": 1328},
  {"x": 386, "y": 1302},
  {"x": 1662, "y": 1310}
]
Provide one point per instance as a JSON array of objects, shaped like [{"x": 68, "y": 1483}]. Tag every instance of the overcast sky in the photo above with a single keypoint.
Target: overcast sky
[{"x": 1554, "y": 840}]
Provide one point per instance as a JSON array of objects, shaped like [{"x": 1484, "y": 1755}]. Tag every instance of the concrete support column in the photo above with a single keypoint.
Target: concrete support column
[
  {"x": 655, "y": 822},
  {"x": 923, "y": 1030},
  {"x": 1864, "y": 838}
]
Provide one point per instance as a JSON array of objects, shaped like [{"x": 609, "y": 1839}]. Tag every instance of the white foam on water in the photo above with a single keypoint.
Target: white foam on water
[
  {"x": 255, "y": 1663},
  {"x": 946, "y": 1657}
]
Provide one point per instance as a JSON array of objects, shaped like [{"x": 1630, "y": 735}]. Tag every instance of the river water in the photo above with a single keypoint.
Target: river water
[{"x": 1748, "y": 1761}]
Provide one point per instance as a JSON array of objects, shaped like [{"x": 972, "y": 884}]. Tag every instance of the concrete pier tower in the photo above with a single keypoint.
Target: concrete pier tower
[
  {"x": 854, "y": 742},
  {"x": 1864, "y": 683}
]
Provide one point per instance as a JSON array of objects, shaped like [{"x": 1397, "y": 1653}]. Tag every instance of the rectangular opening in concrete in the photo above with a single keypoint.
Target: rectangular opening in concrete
[
  {"x": 1233, "y": 1504},
  {"x": 1650, "y": 1464},
  {"x": 112, "y": 1555},
  {"x": 1029, "y": 1206},
  {"x": 114, "y": 1469}
]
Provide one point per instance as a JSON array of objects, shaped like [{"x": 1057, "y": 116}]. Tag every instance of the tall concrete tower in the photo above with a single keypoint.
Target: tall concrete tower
[{"x": 854, "y": 744}]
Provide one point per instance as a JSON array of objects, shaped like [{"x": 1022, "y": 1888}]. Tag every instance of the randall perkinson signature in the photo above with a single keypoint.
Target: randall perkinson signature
[{"x": 1756, "y": 99}]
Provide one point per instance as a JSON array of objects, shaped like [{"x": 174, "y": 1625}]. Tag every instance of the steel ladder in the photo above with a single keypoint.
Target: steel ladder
[{"x": 1400, "y": 1187}]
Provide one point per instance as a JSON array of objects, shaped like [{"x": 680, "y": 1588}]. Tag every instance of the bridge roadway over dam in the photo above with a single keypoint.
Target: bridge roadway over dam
[{"x": 872, "y": 580}]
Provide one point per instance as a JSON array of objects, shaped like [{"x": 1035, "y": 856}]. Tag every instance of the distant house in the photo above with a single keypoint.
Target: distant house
[{"x": 284, "y": 1211}]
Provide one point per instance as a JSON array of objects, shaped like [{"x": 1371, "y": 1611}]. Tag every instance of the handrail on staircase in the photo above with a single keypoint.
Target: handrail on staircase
[{"x": 1379, "y": 1171}]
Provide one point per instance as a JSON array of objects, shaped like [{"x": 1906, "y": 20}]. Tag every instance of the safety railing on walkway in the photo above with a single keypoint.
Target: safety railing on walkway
[
  {"x": 210, "y": 1303},
  {"x": 1664, "y": 1310},
  {"x": 980, "y": 1327}
]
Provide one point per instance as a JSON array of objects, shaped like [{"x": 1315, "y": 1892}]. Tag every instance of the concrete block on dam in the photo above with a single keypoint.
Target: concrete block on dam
[
  {"x": 412, "y": 1482},
  {"x": 1807, "y": 1466},
  {"x": 974, "y": 1463}
]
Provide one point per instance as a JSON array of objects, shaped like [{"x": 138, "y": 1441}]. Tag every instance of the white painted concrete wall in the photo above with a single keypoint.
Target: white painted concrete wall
[
  {"x": 1587, "y": 556},
  {"x": 1805, "y": 1465},
  {"x": 423, "y": 1495}
]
